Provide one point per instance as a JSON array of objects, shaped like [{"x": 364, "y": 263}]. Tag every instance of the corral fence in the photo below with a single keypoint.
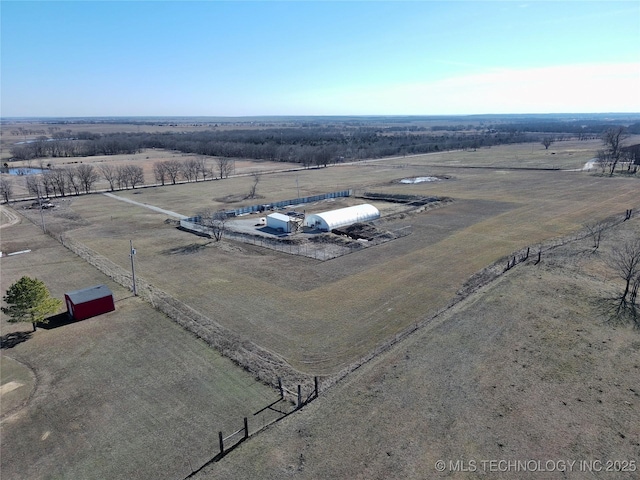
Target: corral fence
[{"x": 285, "y": 203}]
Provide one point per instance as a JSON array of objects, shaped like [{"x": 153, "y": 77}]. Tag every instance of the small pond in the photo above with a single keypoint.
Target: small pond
[{"x": 22, "y": 170}]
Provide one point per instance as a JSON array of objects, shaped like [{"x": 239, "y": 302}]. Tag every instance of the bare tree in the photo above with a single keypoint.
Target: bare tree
[
  {"x": 203, "y": 168},
  {"x": 87, "y": 175},
  {"x": 110, "y": 174},
  {"x": 633, "y": 296},
  {"x": 215, "y": 222},
  {"x": 6, "y": 189},
  {"x": 22, "y": 152},
  {"x": 631, "y": 157},
  {"x": 256, "y": 179},
  {"x": 159, "y": 172},
  {"x": 603, "y": 160},
  {"x": 47, "y": 182},
  {"x": 33, "y": 185},
  {"x": 73, "y": 181},
  {"x": 225, "y": 167},
  {"x": 172, "y": 168},
  {"x": 39, "y": 146},
  {"x": 612, "y": 140},
  {"x": 122, "y": 178},
  {"x": 306, "y": 156},
  {"x": 596, "y": 231},
  {"x": 134, "y": 175},
  {"x": 59, "y": 181},
  {"x": 547, "y": 141},
  {"x": 189, "y": 169},
  {"x": 625, "y": 261}
]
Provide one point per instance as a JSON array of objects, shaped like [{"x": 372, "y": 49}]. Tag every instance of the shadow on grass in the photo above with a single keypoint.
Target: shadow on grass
[
  {"x": 617, "y": 313},
  {"x": 56, "y": 321},
  {"x": 10, "y": 340}
]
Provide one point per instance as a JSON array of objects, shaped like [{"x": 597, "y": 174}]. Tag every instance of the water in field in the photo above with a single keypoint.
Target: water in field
[
  {"x": 22, "y": 170},
  {"x": 419, "y": 179}
]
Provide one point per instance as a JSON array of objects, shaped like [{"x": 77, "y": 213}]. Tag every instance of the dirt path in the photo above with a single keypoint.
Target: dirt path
[
  {"x": 12, "y": 217},
  {"x": 146, "y": 205}
]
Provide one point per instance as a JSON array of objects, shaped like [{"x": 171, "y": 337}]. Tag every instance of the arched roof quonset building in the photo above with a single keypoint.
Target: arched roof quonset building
[{"x": 341, "y": 217}]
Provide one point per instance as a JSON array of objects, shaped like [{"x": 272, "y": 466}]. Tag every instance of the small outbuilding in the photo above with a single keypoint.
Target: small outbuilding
[
  {"x": 89, "y": 302},
  {"x": 342, "y": 217},
  {"x": 283, "y": 223},
  {"x": 279, "y": 222}
]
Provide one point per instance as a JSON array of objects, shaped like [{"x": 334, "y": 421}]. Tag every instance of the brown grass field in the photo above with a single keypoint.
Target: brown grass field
[
  {"x": 128, "y": 394},
  {"x": 524, "y": 370},
  {"x": 322, "y": 316},
  {"x": 454, "y": 383}
]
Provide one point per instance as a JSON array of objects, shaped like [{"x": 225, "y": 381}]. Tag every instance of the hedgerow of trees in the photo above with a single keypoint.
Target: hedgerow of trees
[
  {"x": 313, "y": 145},
  {"x": 316, "y": 144},
  {"x": 63, "y": 181}
]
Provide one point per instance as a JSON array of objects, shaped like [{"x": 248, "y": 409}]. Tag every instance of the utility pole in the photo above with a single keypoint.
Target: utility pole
[
  {"x": 133, "y": 268},
  {"x": 44, "y": 230}
]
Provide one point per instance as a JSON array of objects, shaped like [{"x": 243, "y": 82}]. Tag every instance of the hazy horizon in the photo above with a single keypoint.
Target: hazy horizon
[
  {"x": 291, "y": 59},
  {"x": 555, "y": 115}
]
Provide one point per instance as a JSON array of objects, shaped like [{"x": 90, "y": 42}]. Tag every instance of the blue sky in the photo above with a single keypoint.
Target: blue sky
[{"x": 243, "y": 58}]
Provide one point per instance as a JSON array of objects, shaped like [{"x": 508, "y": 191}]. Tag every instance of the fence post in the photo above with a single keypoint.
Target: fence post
[
  {"x": 246, "y": 428},
  {"x": 221, "y": 443},
  {"x": 299, "y": 396},
  {"x": 315, "y": 383}
]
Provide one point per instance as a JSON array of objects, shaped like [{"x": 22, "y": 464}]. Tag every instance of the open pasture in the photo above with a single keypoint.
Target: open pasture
[
  {"x": 128, "y": 394},
  {"x": 146, "y": 159},
  {"x": 321, "y": 316},
  {"x": 525, "y": 370}
]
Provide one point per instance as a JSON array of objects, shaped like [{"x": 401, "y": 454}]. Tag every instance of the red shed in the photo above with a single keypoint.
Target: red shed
[{"x": 89, "y": 302}]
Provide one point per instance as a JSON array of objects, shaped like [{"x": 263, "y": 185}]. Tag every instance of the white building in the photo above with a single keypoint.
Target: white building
[
  {"x": 280, "y": 222},
  {"x": 327, "y": 221}
]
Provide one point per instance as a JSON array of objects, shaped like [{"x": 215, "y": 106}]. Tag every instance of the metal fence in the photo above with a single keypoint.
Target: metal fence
[
  {"x": 285, "y": 203},
  {"x": 304, "y": 247}
]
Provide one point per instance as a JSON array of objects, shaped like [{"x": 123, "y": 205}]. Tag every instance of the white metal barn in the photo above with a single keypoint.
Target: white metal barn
[
  {"x": 280, "y": 222},
  {"x": 327, "y": 221}
]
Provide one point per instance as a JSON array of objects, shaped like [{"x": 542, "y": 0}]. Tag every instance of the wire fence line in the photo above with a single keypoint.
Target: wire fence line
[
  {"x": 263, "y": 364},
  {"x": 288, "y": 403},
  {"x": 286, "y": 203},
  {"x": 480, "y": 279},
  {"x": 319, "y": 250}
]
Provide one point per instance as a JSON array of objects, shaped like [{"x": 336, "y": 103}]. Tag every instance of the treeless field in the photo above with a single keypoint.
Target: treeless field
[
  {"x": 128, "y": 394},
  {"x": 525, "y": 370},
  {"x": 322, "y": 316},
  {"x": 17, "y": 384}
]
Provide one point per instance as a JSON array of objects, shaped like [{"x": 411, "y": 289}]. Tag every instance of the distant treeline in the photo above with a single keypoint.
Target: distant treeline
[{"x": 310, "y": 145}]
